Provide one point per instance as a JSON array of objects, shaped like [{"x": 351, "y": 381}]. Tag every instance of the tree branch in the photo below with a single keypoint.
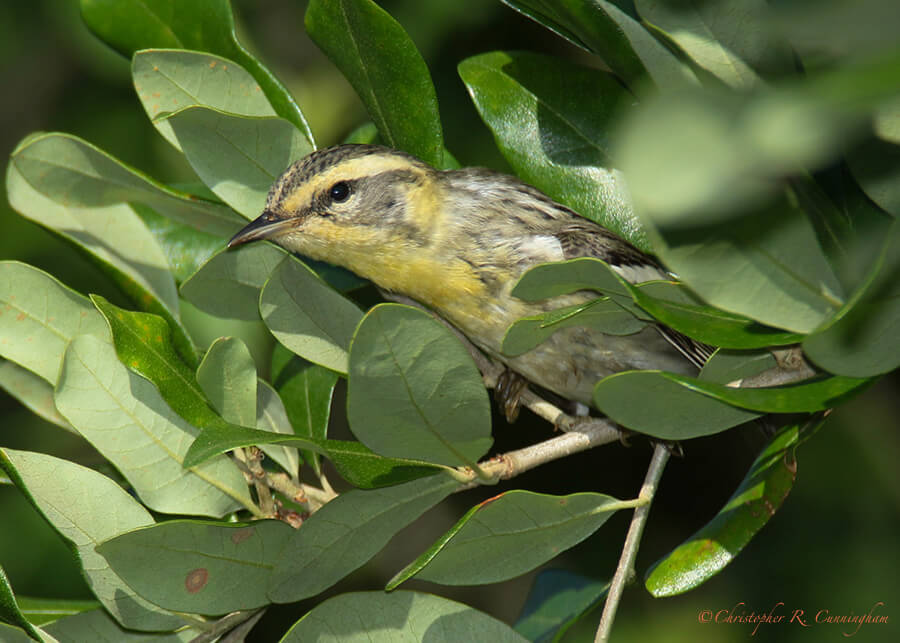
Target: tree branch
[{"x": 625, "y": 569}]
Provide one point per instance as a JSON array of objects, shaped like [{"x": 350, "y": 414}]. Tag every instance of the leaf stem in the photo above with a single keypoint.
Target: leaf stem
[{"x": 625, "y": 569}]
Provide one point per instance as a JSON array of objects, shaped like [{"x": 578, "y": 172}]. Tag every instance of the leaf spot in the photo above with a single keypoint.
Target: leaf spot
[
  {"x": 240, "y": 535},
  {"x": 196, "y": 580}
]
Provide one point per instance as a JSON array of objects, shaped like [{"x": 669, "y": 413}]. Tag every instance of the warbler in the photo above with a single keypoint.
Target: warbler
[{"x": 456, "y": 241}]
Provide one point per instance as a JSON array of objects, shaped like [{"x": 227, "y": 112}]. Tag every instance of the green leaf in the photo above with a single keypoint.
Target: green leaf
[
  {"x": 413, "y": 391},
  {"x": 602, "y": 28},
  {"x": 382, "y": 64},
  {"x": 229, "y": 283},
  {"x": 557, "y": 598},
  {"x": 9, "y": 609},
  {"x": 184, "y": 247},
  {"x": 604, "y": 315},
  {"x": 861, "y": 339},
  {"x": 307, "y": 390},
  {"x": 201, "y": 25},
  {"x": 678, "y": 308},
  {"x": 34, "y": 393},
  {"x": 654, "y": 403},
  {"x": 118, "y": 242},
  {"x": 96, "y": 626},
  {"x": 669, "y": 413},
  {"x": 307, "y": 317},
  {"x": 731, "y": 42},
  {"x": 272, "y": 416},
  {"x": 755, "y": 501},
  {"x": 76, "y": 174},
  {"x": 552, "y": 121},
  {"x": 376, "y": 617},
  {"x": 46, "y": 610},
  {"x": 86, "y": 508},
  {"x": 509, "y": 535},
  {"x": 227, "y": 376},
  {"x": 127, "y": 420},
  {"x": 39, "y": 316},
  {"x": 727, "y": 366},
  {"x": 767, "y": 266},
  {"x": 197, "y": 567},
  {"x": 345, "y": 533},
  {"x": 548, "y": 280},
  {"x": 167, "y": 80},
  {"x": 238, "y": 157},
  {"x": 357, "y": 464}
]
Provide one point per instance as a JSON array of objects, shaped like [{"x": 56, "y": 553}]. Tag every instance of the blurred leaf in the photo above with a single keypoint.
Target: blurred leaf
[
  {"x": 227, "y": 376},
  {"x": 556, "y": 599},
  {"x": 413, "y": 390},
  {"x": 603, "y": 315},
  {"x": 40, "y": 611},
  {"x": 382, "y": 64},
  {"x": 240, "y": 273},
  {"x": 698, "y": 157},
  {"x": 861, "y": 339},
  {"x": 34, "y": 393},
  {"x": 732, "y": 42},
  {"x": 767, "y": 266},
  {"x": 552, "y": 120},
  {"x": 86, "y": 508},
  {"x": 116, "y": 239},
  {"x": 202, "y": 25},
  {"x": 9, "y": 610},
  {"x": 376, "y": 617},
  {"x": 876, "y": 165},
  {"x": 755, "y": 501},
  {"x": 97, "y": 627},
  {"x": 167, "y": 80},
  {"x": 39, "y": 316},
  {"x": 345, "y": 533},
  {"x": 238, "y": 157},
  {"x": 509, "y": 535},
  {"x": 654, "y": 403},
  {"x": 307, "y": 317},
  {"x": 306, "y": 389},
  {"x": 76, "y": 174},
  {"x": 358, "y": 466},
  {"x": 602, "y": 28},
  {"x": 126, "y": 419},
  {"x": 192, "y": 566},
  {"x": 729, "y": 366}
]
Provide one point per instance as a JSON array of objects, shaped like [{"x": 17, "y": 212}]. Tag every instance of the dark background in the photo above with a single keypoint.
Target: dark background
[{"x": 834, "y": 543}]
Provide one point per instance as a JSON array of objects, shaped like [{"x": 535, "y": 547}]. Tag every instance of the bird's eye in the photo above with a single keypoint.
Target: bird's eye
[{"x": 339, "y": 191}]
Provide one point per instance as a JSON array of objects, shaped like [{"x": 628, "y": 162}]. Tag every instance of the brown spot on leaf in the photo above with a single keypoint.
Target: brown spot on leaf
[
  {"x": 212, "y": 63},
  {"x": 196, "y": 580},
  {"x": 20, "y": 316},
  {"x": 240, "y": 535}
]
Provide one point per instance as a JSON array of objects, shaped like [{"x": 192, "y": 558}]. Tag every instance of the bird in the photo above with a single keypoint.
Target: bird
[{"x": 456, "y": 242}]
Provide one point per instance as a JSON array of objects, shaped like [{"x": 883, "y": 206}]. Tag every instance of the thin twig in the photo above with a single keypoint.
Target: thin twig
[
  {"x": 625, "y": 568},
  {"x": 253, "y": 458}
]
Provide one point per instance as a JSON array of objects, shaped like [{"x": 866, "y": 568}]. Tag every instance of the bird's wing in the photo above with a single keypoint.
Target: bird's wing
[{"x": 586, "y": 239}]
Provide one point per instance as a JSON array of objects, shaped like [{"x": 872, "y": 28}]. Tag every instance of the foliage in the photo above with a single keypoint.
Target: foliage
[{"x": 762, "y": 165}]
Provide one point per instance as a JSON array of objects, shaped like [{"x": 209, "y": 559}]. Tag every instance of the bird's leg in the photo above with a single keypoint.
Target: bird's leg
[{"x": 508, "y": 393}]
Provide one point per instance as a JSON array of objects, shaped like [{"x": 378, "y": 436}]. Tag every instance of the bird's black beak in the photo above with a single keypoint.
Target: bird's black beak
[{"x": 265, "y": 226}]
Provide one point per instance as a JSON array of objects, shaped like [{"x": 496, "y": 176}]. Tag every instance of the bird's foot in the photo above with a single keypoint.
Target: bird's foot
[{"x": 508, "y": 391}]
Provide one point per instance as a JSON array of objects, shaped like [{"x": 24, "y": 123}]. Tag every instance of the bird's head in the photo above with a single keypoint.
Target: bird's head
[{"x": 349, "y": 205}]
